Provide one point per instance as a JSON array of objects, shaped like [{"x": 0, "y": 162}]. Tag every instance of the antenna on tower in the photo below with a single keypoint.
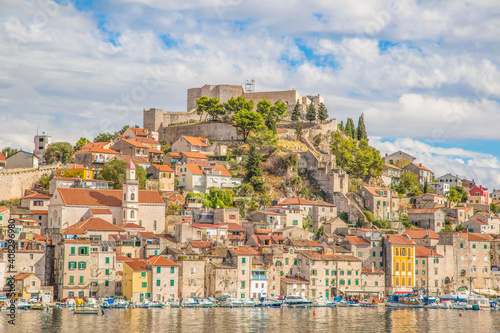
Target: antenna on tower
[
  {"x": 250, "y": 85},
  {"x": 37, "y": 127}
]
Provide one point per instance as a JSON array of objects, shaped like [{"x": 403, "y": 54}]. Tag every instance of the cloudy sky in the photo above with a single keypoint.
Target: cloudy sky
[{"x": 424, "y": 73}]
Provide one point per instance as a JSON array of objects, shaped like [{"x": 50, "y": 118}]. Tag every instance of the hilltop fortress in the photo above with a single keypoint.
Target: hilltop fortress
[{"x": 157, "y": 120}]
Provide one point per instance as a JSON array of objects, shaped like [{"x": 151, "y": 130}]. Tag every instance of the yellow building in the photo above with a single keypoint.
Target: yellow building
[
  {"x": 136, "y": 284},
  {"x": 399, "y": 264},
  {"x": 73, "y": 171},
  {"x": 27, "y": 285}
]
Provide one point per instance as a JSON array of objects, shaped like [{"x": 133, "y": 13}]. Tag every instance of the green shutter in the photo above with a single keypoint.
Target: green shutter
[
  {"x": 143, "y": 274},
  {"x": 144, "y": 284},
  {"x": 107, "y": 271},
  {"x": 106, "y": 283},
  {"x": 172, "y": 283},
  {"x": 243, "y": 260},
  {"x": 158, "y": 283},
  {"x": 172, "y": 269},
  {"x": 82, "y": 279},
  {"x": 73, "y": 250},
  {"x": 107, "y": 260},
  {"x": 71, "y": 279}
]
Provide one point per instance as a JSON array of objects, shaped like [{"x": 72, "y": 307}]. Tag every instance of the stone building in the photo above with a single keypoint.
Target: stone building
[
  {"x": 427, "y": 218},
  {"x": 192, "y": 278},
  {"x": 165, "y": 280},
  {"x": 22, "y": 159},
  {"x": 382, "y": 202}
]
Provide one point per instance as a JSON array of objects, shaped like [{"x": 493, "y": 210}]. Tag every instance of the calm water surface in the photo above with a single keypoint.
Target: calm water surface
[{"x": 221, "y": 320}]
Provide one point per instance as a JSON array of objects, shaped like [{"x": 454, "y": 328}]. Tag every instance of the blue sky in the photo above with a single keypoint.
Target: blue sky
[{"x": 424, "y": 73}]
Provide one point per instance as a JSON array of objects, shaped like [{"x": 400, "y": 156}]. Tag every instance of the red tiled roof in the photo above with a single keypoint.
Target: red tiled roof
[
  {"x": 291, "y": 279},
  {"x": 423, "y": 211},
  {"x": 323, "y": 203},
  {"x": 399, "y": 240},
  {"x": 164, "y": 168},
  {"x": 95, "y": 144},
  {"x": 22, "y": 276},
  {"x": 91, "y": 197},
  {"x": 222, "y": 170},
  {"x": 357, "y": 240},
  {"x": 174, "y": 154},
  {"x": 139, "y": 131},
  {"x": 96, "y": 149},
  {"x": 147, "y": 234},
  {"x": 155, "y": 151},
  {"x": 123, "y": 258},
  {"x": 234, "y": 226},
  {"x": 96, "y": 224},
  {"x": 36, "y": 195},
  {"x": 205, "y": 225},
  {"x": 3, "y": 209},
  {"x": 246, "y": 251},
  {"x": 193, "y": 155},
  {"x": 376, "y": 190},
  {"x": 78, "y": 241},
  {"x": 201, "y": 244},
  {"x": 39, "y": 212},
  {"x": 422, "y": 251},
  {"x": 130, "y": 225},
  {"x": 296, "y": 201},
  {"x": 195, "y": 169},
  {"x": 137, "y": 264},
  {"x": 473, "y": 236},
  {"x": 100, "y": 211},
  {"x": 368, "y": 270},
  {"x": 2, "y": 157},
  {"x": 161, "y": 261},
  {"x": 39, "y": 237},
  {"x": 420, "y": 166},
  {"x": 146, "y": 140},
  {"x": 421, "y": 233},
  {"x": 480, "y": 222},
  {"x": 135, "y": 143},
  {"x": 195, "y": 141}
]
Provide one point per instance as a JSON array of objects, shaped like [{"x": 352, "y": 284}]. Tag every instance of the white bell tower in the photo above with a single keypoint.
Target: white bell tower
[{"x": 130, "y": 202}]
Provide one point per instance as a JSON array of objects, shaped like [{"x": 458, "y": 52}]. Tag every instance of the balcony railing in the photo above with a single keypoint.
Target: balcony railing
[{"x": 259, "y": 277}]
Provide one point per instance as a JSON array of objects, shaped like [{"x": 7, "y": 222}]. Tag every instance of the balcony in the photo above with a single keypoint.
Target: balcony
[
  {"x": 236, "y": 236},
  {"x": 259, "y": 277}
]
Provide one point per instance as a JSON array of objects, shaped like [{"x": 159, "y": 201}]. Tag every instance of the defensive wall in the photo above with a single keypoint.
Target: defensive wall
[{"x": 14, "y": 182}]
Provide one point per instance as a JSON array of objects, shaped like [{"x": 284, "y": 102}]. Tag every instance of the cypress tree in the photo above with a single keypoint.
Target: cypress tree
[
  {"x": 350, "y": 130},
  {"x": 361, "y": 131},
  {"x": 253, "y": 164},
  {"x": 341, "y": 126},
  {"x": 271, "y": 124},
  {"x": 296, "y": 112},
  {"x": 322, "y": 112},
  {"x": 311, "y": 113}
]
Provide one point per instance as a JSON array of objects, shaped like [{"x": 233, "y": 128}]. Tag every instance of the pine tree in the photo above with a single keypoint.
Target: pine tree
[
  {"x": 296, "y": 112},
  {"x": 271, "y": 124},
  {"x": 361, "y": 131},
  {"x": 350, "y": 130},
  {"x": 254, "y": 170},
  {"x": 322, "y": 112},
  {"x": 341, "y": 126},
  {"x": 311, "y": 113}
]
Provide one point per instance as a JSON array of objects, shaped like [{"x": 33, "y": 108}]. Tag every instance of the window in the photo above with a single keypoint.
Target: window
[
  {"x": 243, "y": 260},
  {"x": 154, "y": 225},
  {"x": 144, "y": 284},
  {"x": 423, "y": 272},
  {"x": 107, "y": 260},
  {"x": 326, "y": 282},
  {"x": 158, "y": 283},
  {"x": 295, "y": 222},
  {"x": 72, "y": 265},
  {"x": 416, "y": 271},
  {"x": 83, "y": 250},
  {"x": 423, "y": 261},
  {"x": 242, "y": 284},
  {"x": 357, "y": 282},
  {"x": 106, "y": 283},
  {"x": 473, "y": 246},
  {"x": 349, "y": 272},
  {"x": 143, "y": 274},
  {"x": 461, "y": 245},
  {"x": 172, "y": 283},
  {"x": 82, "y": 265},
  {"x": 486, "y": 246},
  {"x": 374, "y": 254},
  {"x": 158, "y": 269},
  {"x": 82, "y": 279},
  {"x": 416, "y": 262},
  {"x": 327, "y": 272},
  {"x": 71, "y": 294},
  {"x": 107, "y": 271},
  {"x": 295, "y": 262},
  {"x": 172, "y": 269},
  {"x": 242, "y": 272},
  {"x": 73, "y": 250},
  {"x": 348, "y": 282},
  {"x": 71, "y": 280},
  {"x": 132, "y": 214},
  {"x": 286, "y": 261},
  {"x": 381, "y": 254}
]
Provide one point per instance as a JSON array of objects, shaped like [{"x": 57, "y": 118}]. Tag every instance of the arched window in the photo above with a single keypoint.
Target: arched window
[
  {"x": 132, "y": 196},
  {"x": 132, "y": 214},
  {"x": 154, "y": 225},
  {"x": 462, "y": 272}
]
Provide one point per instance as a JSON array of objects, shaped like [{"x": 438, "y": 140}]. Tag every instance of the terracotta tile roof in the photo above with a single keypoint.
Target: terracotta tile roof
[
  {"x": 421, "y": 233},
  {"x": 195, "y": 169},
  {"x": 222, "y": 170},
  {"x": 357, "y": 240},
  {"x": 420, "y": 166},
  {"x": 39, "y": 212},
  {"x": 271, "y": 213},
  {"x": 147, "y": 140},
  {"x": 205, "y": 225},
  {"x": 155, "y": 151},
  {"x": 174, "y": 154},
  {"x": 86, "y": 180},
  {"x": 234, "y": 226},
  {"x": 3, "y": 209},
  {"x": 246, "y": 251},
  {"x": 201, "y": 244},
  {"x": 39, "y": 237},
  {"x": 193, "y": 155},
  {"x": 2, "y": 157},
  {"x": 304, "y": 242},
  {"x": 480, "y": 222},
  {"x": 422, "y": 251},
  {"x": 36, "y": 195},
  {"x": 119, "y": 237},
  {"x": 323, "y": 203},
  {"x": 136, "y": 264},
  {"x": 148, "y": 234},
  {"x": 123, "y": 258},
  {"x": 95, "y": 144},
  {"x": 368, "y": 270},
  {"x": 161, "y": 261},
  {"x": 100, "y": 211},
  {"x": 163, "y": 168},
  {"x": 91, "y": 197},
  {"x": 96, "y": 224},
  {"x": 73, "y": 231},
  {"x": 96, "y": 149},
  {"x": 139, "y": 131},
  {"x": 134, "y": 159},
  {"x": 423, "y": 211},
  {"x": 473, "y": 236},
  {"x": 196, "y": 141},
  {"x": 130, "y": 225},
  {"x": 399, "y": 240},
  {"x": 296, "y": 201},
  {"x": 135, "y": 143},
  {"x": 22, "y": 276},
  {"x": 315, "y": 255},
  {"x": 391, "y": 166},
  {"x": 291, "y": 279},
  {"x": 77, "y": 241},
  {"x": 376, "y": 190}
]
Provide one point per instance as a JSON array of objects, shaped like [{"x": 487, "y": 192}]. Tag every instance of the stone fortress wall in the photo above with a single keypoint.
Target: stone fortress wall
[{"x": 14, "y": 182}]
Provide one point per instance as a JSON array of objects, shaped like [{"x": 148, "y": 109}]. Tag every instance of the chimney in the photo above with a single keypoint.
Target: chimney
[
  {"x": 427, "y": 234},
  {"x": 420, "y": 164}
]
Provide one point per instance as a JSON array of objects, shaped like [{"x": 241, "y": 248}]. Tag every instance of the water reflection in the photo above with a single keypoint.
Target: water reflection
[{"x": 221, "y": 320}]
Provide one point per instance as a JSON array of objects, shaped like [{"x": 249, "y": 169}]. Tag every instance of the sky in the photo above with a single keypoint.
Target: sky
[{"x": 424, "y": 73}]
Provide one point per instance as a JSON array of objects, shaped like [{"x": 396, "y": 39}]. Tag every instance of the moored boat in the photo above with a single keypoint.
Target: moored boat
[
  {"x": 297, "y": 302},
  {"x": 86, "y": 310},
  {"x": 403, "y": 301},
  {"x": 270, "y": 302}
]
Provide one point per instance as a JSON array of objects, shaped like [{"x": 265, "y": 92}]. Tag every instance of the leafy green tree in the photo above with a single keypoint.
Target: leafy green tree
[
  {"x": 311, "y": 113},
  {"x": 247, "y": 121},
  {"x": 344, "y": 216},
  {"x": 116, "y": 171},
  {"x": 104, "y": 137},
  {"x": 263, "y": 137},
  {"x": 381, "y": 224},
  {"x": 218, "y": 198},
  {"x": 369, "y": 215},
  {"x": 341, "y": 126},
  {"x": 408, "y": 183},
  {"x": 172, "y": 209},
  {"x": 299, "y": 131},
  {"x": 279, "y": 109},
  {"x": 296, "y": 112},
  {"x": 45, "y": 181},
  {"x": 361, "y": 130},
  {"x": 82, "y": 142},
  {"x": 493, "y": 208},
  {"x": 8, "y": 151},
  {"x": 271, "y": 124},
  {"x": 235, "y": 105},
  {"x": 307, "y": 223},
  {"x": 58, "y": 152},
  {"x": 350, "y": 130},
  {"x": 254, "y": 169},
  {"x": 211, "y": 106},
  {"x": 322, "y": 112},
  {"x": 264, "y": 107}
]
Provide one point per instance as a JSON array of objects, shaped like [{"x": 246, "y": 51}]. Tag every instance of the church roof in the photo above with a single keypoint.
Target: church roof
[{"x": 94, "y": 197}]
